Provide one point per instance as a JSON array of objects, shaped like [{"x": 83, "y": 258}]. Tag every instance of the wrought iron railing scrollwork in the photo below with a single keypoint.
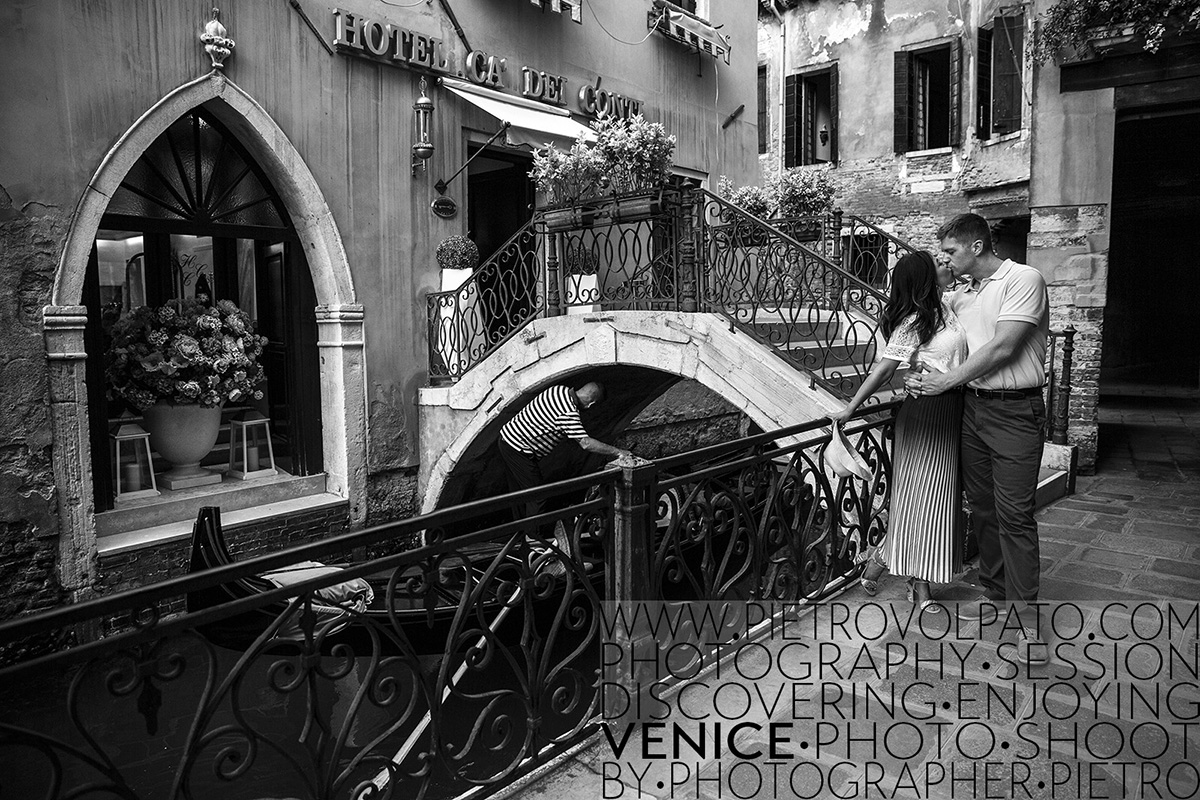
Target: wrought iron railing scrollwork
[
  {"x": 476, "y": 659},
  {"x": 499, "y": 298},
  {"x": 809, "y": 310},
  {"x": 760, "y": 520}
]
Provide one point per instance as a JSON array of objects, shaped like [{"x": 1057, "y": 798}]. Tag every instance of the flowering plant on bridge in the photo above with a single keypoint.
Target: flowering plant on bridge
[
  {"x": 801, "y": 192},
  {"x": 185, "y": 352},
  {"x": 753, "y": 200},
  {"x": 638, "y": 155},
  {"x": 568, "y": 177}
]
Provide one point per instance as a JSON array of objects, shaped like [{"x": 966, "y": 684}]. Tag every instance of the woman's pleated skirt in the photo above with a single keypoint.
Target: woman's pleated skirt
[{"x": 926, "y": 523}]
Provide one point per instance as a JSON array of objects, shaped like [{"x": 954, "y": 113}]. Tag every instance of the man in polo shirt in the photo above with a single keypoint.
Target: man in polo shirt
[
  {"x": 1004, "y": 308},
  {"x": 530, "y": 436}
]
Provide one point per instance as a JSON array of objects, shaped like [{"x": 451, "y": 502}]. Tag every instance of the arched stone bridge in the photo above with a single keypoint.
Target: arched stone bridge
[{"x": 637, "y": 355}]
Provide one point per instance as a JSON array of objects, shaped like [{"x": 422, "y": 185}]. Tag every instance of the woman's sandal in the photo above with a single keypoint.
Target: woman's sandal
[
  {"x": 873, "y": 570},
  {"x": 920, "y": 595}
]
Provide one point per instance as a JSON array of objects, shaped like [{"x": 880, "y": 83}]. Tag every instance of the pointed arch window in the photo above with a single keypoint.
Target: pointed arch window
[{"x": 198, "y": 178}]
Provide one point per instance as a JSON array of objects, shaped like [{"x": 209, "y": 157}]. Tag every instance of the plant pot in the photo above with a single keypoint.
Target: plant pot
[
  {"x": 183, "y": 435},
  {"x": 633, "y": 207},
  {"x": 569, "y": 218},
  {"x": 800, "y": 229}
]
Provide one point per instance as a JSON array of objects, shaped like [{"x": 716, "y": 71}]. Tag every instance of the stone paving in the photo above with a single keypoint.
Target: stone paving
[{"x": 1130, "y": 535}]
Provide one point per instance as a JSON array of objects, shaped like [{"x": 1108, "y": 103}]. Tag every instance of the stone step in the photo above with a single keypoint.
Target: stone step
[
  {"x": 790, "y": 324},
  {"x": 1053, "y": 484}
]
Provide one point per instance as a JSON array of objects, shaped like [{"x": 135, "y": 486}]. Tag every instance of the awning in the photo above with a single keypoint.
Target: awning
[
  {"x": 692, "y": 31},
  {"x": 530, "y": 123}
]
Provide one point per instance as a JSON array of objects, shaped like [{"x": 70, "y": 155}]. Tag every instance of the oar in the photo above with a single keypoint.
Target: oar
[{"x": 381, "y": 779}]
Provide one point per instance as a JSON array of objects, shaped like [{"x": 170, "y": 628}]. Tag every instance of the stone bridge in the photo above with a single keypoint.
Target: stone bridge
[{"x": 638, "y": 355}]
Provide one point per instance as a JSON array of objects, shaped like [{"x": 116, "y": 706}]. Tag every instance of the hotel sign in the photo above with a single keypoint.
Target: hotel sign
[{"x": 378, "y": 40}]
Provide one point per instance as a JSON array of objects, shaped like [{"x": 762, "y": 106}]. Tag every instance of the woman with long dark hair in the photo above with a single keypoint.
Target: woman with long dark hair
[{"x": 925, "y": 520}]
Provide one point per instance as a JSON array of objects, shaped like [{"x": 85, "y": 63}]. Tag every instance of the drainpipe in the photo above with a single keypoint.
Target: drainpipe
[{"x": 782, "y": 77}]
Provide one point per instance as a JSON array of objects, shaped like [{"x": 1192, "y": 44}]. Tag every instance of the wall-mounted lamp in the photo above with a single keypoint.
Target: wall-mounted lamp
[
  {"x": 423, "y": 149},
  {"x": 824, "y": 134}
]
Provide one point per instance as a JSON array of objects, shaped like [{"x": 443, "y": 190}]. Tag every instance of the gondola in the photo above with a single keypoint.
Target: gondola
[{"x": 348, "y": 615}]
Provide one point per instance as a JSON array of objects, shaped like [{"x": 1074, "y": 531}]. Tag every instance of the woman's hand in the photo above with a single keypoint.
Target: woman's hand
[{"x": 842, "y": 416}]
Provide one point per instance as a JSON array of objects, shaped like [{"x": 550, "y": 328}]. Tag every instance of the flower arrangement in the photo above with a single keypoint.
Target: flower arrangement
[
  {"x": 184, "y": 352},
  {"x": 630, "y": 155},
  {"x": 568, "y": 177},
  {"x": 457, "y": 252},
  {"x": 1069, "y": 23},
  {"x": 638, "y": 155},
  {"x": 753, "y": 200},
  {"x": 801, "y": 193}
]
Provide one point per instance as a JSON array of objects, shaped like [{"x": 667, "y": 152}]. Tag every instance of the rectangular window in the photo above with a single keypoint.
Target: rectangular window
[
  {"x": 811, "y": 117},
  {"x": 764, "y": 118},
  {"x": 927, "y": 97},
  {"x": 1007, "y": 58}
]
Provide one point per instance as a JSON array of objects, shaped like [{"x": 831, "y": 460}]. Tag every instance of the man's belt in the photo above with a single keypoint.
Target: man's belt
[{"x": 1003, "y": 394}]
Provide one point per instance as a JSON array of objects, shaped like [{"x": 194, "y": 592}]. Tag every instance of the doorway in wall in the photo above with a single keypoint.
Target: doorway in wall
[
  {"x": 1150, "y": 319},
  {"x": 500, "y": 197}
]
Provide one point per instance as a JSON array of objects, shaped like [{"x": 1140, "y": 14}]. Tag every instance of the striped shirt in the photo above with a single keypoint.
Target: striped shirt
[{"x": 547, "y": 420}]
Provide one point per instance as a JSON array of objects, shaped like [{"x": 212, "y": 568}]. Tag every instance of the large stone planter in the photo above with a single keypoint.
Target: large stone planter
[{"x": 183, "y": 435}]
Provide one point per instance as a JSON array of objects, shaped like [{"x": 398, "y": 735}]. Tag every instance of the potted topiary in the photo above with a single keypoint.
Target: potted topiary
[
  {"x": 179, "y": 364},
  {"x": 457, "y": 257},
  {"x": 802, "y": 198}
]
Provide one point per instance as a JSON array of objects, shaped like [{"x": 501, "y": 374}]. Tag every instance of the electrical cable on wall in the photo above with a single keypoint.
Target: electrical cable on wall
[{"x": 622, "y": 41}]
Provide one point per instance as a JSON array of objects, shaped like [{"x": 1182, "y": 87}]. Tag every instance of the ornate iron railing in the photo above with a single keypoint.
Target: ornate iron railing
[
  {"x": 477, "y": 659},
  {"x": 788, "y": 296},
  {"x": 504, "y": 293}
]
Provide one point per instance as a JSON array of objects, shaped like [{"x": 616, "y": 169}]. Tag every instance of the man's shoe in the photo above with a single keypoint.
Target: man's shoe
[
  {"x": 1031, "y": 650},
  {"x": 981, "y": 609}
]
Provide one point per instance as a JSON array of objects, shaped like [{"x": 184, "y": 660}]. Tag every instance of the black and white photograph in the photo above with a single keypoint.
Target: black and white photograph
[{"x": 599, "y": 399}]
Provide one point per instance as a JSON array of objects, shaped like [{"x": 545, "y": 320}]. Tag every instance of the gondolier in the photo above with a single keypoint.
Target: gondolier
[{"x": 538, "y": 428}]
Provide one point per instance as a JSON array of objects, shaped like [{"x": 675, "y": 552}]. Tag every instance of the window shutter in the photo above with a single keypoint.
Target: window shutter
[
  {"x": 1006, "y": 67},
  {"x": 902, "y": 120},
  {"x": 983, "y": 87},
  {"x": 764, "y": 119},
  {"x": 791, "y": 120},
  {"x": 956, "y": 92},
  {"x": 833, "y": 114},
  {"x": 808, "y": 103}
]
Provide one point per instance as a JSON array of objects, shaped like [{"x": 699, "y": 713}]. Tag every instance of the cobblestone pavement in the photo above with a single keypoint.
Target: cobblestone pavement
[{"x": 1106, "y": 722}]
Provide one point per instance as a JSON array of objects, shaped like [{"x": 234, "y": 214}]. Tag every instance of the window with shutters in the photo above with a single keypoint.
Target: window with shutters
[
  {"x": 764, "y": 117},
  {"x": 1000, "y": 65},
  {"x": 928, "y": 97},
  {"x": 810, "y": 117}
]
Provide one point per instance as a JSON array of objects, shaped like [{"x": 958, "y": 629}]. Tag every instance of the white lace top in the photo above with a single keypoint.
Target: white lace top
[{"x": 945, "y": 351}]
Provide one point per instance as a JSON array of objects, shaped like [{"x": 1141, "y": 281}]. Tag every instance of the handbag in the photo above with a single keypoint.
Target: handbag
[{"x": 843, "y": 459}]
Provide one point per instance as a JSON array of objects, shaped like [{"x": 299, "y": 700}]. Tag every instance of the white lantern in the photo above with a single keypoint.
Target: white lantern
[
  {"x": 251, "y": 454},
  {"x": 133, "y": 468}
]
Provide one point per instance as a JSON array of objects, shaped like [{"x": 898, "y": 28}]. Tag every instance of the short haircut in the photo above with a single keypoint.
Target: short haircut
[
  {"x": 967, "y": 228},
  {"x": 597, "y": 390}
]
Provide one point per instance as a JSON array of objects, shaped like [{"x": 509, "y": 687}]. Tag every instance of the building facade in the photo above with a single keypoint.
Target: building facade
[
  {"x": 920, "y": 112},
  {"x": 136, "y": 167}
]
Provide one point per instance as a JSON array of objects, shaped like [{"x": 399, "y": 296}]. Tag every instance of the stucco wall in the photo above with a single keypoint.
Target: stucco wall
[{"x": 915, "y": 192}]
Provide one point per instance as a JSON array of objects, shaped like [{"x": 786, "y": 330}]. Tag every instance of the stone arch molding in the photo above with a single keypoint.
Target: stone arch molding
[
  {"x": 339, "y": 316},
  {"x": 701, "y": 347}
]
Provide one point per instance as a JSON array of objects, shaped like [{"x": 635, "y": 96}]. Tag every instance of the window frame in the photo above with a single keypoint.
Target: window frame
[
  {"x": 905, "y": 137},
  {"x": 800, "y": 134},
  {"x": 764, "y": 116}
]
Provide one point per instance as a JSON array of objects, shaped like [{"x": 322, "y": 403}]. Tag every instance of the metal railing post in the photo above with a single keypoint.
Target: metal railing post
[
  {"x": 835, "y": 233},
  {"x": 1062, "y": 399},
  {"x": 688, "y": 202},
  {"x": 554, "y": 298},
  {"x": 627, "y": 579}
]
